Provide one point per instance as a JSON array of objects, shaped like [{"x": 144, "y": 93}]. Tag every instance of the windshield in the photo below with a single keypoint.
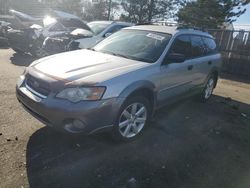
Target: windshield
[
  {"x": 139, "y": 45},
  {"x": 97, "y": 27}
]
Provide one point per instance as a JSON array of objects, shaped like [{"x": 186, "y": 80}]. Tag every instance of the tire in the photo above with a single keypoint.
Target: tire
[
  {"x": 18, "y": 51},
  {"x": 209, "y": 88},
  {"x": 132, "y": 119},
  {"x": 39, "y": 53}
]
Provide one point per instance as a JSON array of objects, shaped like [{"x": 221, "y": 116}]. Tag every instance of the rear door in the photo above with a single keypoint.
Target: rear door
[
  {"x": 211, "y": 54},
  {"x": 176, "y": 78},
  {"x": 199, "y": 59}
]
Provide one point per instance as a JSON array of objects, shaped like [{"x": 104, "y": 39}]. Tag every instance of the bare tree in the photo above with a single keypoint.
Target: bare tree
[{"x": 101, "y": 10}]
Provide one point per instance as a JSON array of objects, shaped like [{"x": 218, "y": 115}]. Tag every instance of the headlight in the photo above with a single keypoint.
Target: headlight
[
  {"x": 82, "y": 94},
  {"x": 24, "y": 71},
  {"x": 20, "y": 80}
]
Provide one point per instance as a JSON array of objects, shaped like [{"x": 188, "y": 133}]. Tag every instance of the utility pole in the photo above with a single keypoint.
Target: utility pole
[
  {"x": 109, "y": 9},
  {"x": 151, "y": 11}
]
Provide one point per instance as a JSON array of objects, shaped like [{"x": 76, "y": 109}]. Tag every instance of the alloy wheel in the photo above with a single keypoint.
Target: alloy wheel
[
  {"x": 209, "y": 88},
  {"x": 132, "y": 120}
]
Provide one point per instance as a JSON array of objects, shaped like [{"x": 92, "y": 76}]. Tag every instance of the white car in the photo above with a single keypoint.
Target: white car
[{"x": 101, "y": 29}]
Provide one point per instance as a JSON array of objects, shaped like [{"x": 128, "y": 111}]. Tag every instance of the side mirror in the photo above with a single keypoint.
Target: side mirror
[
  {"x": 175, "y": 58},
  {"x": 107, "y": 35}
]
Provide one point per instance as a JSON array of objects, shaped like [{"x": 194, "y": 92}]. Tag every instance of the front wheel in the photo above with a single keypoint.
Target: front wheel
[
  {"x": 39, "y": 53},
  {"x": 209, "y": 88},
  {"x": 132, "y": 119},
  {"x": 18, "y": 51}
]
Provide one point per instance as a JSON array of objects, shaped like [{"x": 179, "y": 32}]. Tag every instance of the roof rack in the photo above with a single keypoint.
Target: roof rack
[
  {"x": 191, "y": 27},
  {"x": 146, "y": 23}
]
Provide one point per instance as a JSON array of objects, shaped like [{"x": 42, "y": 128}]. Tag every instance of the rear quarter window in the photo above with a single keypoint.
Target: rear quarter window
[
  {"x": 198, "y": 46},
  {"x": 210, "y": 44}
]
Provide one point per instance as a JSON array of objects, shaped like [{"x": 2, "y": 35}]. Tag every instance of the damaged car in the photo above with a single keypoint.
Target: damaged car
[
  {"x": 4, "y": 27},
  {"x": 82, "y": 39},
  {"x": 30, "y": 37}
]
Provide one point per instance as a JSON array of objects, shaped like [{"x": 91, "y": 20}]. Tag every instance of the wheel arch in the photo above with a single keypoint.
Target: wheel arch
[
  {"x": 215, "y": 73},
  {"x": 142, "y": 88}
]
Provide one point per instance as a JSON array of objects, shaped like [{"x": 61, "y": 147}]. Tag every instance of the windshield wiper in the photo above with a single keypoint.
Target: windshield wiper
[
  {"x": 92, "y": 49},
  {"x": 127, "y": 56},
  {"x": 116, "y": 54},
  {"x": 121, "y": 55}
]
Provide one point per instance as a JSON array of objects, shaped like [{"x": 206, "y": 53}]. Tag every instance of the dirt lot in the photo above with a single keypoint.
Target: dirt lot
[{"x": 188, "y": 145}]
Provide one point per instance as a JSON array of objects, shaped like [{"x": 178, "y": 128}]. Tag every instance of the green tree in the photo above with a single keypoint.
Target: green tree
[
  {"x": 141, "y": 11},
  {"x": 211, "y": 13}
]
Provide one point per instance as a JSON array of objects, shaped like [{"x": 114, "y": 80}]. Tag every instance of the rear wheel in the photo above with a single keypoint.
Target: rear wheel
[
  {"x": 209, "y": 88},
  {"x": 132, "y": 119}
]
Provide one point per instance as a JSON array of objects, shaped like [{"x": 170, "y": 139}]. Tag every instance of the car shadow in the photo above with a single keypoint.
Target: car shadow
[
  {"x": 188, "y": 144},
  {"x": 22, "y": 59}
]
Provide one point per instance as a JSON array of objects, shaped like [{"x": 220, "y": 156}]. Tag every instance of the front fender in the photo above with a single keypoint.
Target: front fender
[
  {"x": 143, "y": 84},
  {"x": 132, "y": 88}
]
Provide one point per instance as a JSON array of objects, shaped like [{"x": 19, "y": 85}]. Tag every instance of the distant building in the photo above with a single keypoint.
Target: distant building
[{"x": 245, "y": 27}]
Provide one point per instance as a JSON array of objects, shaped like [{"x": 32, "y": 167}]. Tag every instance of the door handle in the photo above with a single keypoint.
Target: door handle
[
  {"x": 209, "y": 63},
  {"x": 190, "y": 67}
]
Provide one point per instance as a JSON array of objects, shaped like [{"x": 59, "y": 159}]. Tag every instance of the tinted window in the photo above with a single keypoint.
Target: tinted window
[
  {"x": 210, "y": 44},
  {"x": 182, "y": 45},
  {"x": 198, "y": 47}
]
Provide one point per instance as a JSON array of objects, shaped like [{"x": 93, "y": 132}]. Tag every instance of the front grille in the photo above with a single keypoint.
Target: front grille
[{"x": 37, "y": 85}]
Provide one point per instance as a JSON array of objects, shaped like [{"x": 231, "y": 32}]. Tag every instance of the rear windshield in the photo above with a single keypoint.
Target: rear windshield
[{"x": 98, "y": 27}]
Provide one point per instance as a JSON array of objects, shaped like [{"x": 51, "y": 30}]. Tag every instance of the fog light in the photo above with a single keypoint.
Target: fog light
[
  {"x": 78, "y": 124},
  {"x": 74, "y": 126}
]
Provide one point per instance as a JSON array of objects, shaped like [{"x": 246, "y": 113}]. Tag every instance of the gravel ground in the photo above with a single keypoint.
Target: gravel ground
[{"x": 189, "y": 144}]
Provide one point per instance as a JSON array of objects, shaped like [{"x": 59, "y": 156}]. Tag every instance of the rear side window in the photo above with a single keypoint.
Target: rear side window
[
  {"x": 198, "y": 46},
  {"x": 211, "y": 47},
  {"x": 182, "y": 45}
]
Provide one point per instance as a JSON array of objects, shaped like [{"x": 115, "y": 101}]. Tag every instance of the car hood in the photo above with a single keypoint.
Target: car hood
[{"x": 85, "y": 66}]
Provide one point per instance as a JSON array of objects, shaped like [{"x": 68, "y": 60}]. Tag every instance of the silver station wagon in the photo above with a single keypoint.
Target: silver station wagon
[{"x": 117, "y": 85}]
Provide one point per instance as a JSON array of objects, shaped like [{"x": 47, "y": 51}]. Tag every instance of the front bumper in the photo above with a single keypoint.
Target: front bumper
[{"x": 95, "y": 116}]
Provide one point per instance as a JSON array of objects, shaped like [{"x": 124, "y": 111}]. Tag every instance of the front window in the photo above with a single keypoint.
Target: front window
[
  {"x": 97, "y": 28},
  {"x": 138, "y": 45}
]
